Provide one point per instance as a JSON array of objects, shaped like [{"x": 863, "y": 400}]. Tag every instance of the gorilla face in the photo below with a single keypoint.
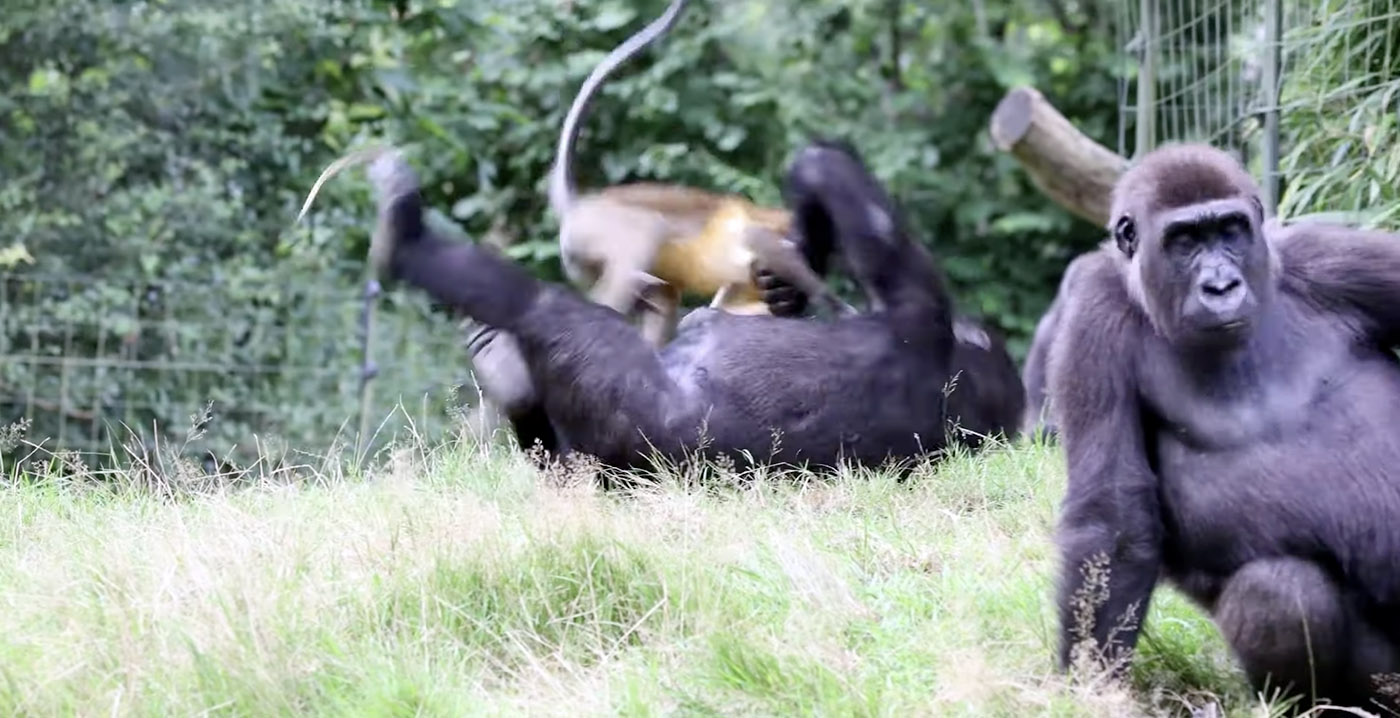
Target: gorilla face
[{"x": 1204, "y": 270}]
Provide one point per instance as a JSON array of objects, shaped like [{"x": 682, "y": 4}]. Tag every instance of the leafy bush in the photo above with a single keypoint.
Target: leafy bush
[{"x": 156, "y": 152}]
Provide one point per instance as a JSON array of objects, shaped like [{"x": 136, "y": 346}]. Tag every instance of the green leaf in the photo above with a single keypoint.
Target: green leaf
[{"x": 612, "y": 15}]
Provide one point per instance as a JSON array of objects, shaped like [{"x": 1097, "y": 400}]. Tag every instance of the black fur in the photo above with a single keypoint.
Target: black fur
[
  {"x": 1039, "y": 416},
  {"x": 864, "y": 388},
  {"x": 1231, "y": 426},
  {"x": 985, "y": 395}
]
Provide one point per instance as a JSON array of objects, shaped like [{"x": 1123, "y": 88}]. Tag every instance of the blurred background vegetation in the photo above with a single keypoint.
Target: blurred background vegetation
[{"x": 154, "y": 154}]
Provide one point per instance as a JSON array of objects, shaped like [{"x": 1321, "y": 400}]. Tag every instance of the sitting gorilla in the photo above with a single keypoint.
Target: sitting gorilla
[
  {"x": 863, "y": 388},
  {"x": 1227, "y": 398}
]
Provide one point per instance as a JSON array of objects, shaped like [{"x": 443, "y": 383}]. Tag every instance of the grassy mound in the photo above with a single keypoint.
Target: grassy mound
[{"x": 465, "y": 583}]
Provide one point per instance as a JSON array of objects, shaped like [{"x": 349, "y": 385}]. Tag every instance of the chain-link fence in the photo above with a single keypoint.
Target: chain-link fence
[
  {"x": 229, "y": 369},
  {"x": 1304, "y": 91}
]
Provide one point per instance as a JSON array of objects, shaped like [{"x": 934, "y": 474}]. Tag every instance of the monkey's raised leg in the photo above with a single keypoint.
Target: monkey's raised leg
[
  {"x": 659, "y": 302},
  {"x": 621, "y": 240}
]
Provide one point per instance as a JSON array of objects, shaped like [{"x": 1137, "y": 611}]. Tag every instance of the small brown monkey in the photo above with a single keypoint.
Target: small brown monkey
[{"x": 652, "y": 242}]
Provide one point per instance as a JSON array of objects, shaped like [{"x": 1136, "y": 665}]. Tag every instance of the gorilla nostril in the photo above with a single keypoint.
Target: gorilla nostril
[{"x": 1220, "y": 287}]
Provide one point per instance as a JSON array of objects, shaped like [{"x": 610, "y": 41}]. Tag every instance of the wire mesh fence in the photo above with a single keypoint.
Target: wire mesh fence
[
  {"x": 94, "y": 364},
  {"x": 1303, "y": 91}
]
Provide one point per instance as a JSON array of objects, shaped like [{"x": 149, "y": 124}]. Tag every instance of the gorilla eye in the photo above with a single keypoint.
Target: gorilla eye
[
  {"x": 1235, "y": 230},
  {"x": 1178, "y": 239}
]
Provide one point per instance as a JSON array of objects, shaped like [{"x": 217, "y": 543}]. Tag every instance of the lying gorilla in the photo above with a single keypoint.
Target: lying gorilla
[
  {"x": 1227, "y": 399},
  {"x": 863, "y": 388}
]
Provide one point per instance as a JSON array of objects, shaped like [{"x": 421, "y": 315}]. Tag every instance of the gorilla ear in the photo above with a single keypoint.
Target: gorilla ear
[
  {"x": 1125, "y": 235},
  {"x": 1258, "y": 205}
]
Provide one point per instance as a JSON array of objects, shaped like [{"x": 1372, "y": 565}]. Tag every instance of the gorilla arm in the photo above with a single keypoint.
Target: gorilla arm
[
  {"x": 1038, "y": 410},
  {"x": 1110, "y": 512}
]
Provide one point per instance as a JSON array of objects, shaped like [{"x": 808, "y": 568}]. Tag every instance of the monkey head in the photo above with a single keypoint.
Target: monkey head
[{"x": 1188, "y": 222}]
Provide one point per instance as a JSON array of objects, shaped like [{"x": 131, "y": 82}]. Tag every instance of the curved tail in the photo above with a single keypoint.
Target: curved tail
[
  {"x": 338, "y": 166},
  {"x": 561, "y": 182}
]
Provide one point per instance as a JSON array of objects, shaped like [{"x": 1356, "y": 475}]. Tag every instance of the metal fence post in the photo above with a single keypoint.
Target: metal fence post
[
  {"x": 368, "y": 369},
  {"x": 1273, "y": 41},
  {"x": 1147, "y": 79}
]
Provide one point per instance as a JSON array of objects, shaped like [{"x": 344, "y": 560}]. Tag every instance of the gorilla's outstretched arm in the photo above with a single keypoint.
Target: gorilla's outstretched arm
[{"x": 835, "y": 202}]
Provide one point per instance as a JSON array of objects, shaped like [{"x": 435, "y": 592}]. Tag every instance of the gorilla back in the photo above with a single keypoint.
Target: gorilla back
[{"x": 863, "y": 388}]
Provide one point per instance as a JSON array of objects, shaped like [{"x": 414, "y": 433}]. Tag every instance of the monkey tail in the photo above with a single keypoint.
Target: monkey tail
[
  {"x": 338, "y": 166},
  {"x": 561, "y": 182}
]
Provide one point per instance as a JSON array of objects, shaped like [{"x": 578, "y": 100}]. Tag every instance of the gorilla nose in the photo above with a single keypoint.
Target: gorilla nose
[
  {"x": 1222, "y": 293},
  {"x": 1218, "y": 287}
]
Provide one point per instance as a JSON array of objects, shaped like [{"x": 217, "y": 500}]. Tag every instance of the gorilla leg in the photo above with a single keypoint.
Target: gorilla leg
[
  {"x": 837, "y": 203},
  {"x": 1294, "y": 630}
]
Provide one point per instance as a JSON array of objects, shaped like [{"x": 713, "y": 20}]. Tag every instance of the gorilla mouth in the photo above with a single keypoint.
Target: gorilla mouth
[{"x": 1228, "y": 331}]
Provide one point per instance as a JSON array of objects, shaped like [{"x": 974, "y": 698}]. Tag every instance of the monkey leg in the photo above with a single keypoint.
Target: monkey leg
[
  {"x": 1294, "y": 630},
  {"x": 733, "y": 302},
  {"x": 659, "y": 301},
  {"x": 620, "y": 240}
]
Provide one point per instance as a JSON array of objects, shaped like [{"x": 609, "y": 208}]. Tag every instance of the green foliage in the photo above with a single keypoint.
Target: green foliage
[
  {"x": 155, "y": 154},
  {"x": 1338, "y": 119},
  {"x": 913, "y": 87}
]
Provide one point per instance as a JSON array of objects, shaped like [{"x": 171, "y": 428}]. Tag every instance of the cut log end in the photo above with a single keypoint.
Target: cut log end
[
  {"x": 1012, "y": 118},
  {"x": 1069, "y": 167}
]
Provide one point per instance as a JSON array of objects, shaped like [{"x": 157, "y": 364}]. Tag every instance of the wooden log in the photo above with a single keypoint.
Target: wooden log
[{"x": 1075, "y": 171}]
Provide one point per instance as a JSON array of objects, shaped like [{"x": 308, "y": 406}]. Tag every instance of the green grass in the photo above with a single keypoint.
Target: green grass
[{"x": 465, "y": 583}]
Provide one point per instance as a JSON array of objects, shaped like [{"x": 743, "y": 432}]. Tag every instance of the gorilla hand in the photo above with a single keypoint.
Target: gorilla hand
[{"x": 783, "y": 299}]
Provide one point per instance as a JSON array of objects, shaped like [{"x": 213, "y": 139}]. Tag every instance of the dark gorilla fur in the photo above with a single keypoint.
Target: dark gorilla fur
[
  {"x": 862, "y": 388},
  {"x": 1227, "y": 400},
  {"x": 985, "y": 395},
  {"x": 1039, "y": 417}
]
